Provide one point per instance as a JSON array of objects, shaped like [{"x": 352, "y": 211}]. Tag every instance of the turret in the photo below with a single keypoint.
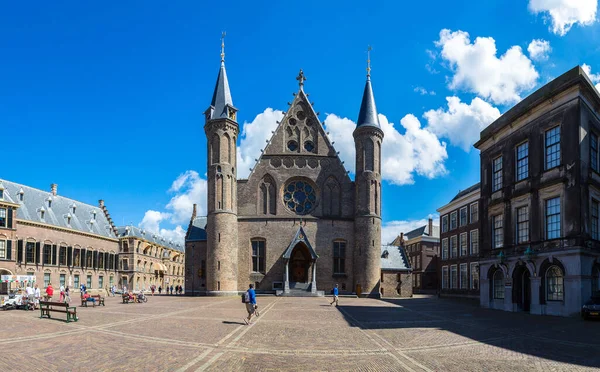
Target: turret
[
  {"x": 221, "y": 130},
  {"x": 368, "y": 138}
]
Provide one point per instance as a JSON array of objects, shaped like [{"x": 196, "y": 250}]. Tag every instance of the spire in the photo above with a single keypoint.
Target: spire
[
  {"x": 301, "y": 79},
  {"x": 368, "y": 111},
  {"x": 221, "y": 105}
]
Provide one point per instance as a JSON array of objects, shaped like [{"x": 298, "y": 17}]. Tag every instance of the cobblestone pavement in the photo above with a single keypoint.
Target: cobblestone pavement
[{"x": 297, "y": 334}]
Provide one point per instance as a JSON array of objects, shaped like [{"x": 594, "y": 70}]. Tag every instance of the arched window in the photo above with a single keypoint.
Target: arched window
[
  {"x": 498, "y": 287},
  {"x": 339, "y": 257},
  {"x": 596, "y": 280},
  {"x": 554, "y": 284},
  {"x": 331, "y": 197},
  {"x": 258, "y": 255}
]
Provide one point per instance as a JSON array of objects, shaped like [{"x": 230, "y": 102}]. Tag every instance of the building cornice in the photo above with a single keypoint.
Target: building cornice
[
  {"x": 62, "y": 229},
  {"x": 461, "y": 202}
]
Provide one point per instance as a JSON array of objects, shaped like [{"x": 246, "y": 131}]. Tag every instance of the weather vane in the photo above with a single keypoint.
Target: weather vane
[
  {"x": 369, "y": 49},
  {"x": 223, "y": 46}
]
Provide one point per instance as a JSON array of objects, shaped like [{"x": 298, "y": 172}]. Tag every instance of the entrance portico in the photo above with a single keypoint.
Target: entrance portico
[{"x": 300, "y": 260}]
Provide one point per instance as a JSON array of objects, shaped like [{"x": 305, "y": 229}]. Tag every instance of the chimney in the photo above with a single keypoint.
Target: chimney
[
  {"x": 54, "y": 189},
  {"x": 430, "y": 226},
  {"x": 101, "y": 203},
  {"x": 194, "y": 211}
]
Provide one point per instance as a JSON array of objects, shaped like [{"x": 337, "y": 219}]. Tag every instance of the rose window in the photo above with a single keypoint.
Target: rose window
[{"x": 299, "y": 197}]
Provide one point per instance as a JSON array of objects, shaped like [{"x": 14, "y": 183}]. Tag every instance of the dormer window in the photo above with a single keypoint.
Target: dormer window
[
  {"x": 49, "y": 203},
  {"x": 68, "y": 218},
  {"x": 1, "y": 194},
  {"x": 21, "y": 195},
  {"x": 73, "y": 208},
  {"x": 42, "y": 213}
]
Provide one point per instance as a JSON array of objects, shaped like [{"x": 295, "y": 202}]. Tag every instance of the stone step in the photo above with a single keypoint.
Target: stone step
[{"x": 299, "y": 293}]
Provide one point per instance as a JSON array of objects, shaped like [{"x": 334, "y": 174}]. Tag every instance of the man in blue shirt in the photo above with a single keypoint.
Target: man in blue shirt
[
  {"x": 335, "y": 296},
  {"x": 250, "y": 303}
]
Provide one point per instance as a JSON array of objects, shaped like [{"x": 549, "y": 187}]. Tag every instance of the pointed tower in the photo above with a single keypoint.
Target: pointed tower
[
  {"x": 221, "y": 130},
  {"x": 368, "y": 137}
]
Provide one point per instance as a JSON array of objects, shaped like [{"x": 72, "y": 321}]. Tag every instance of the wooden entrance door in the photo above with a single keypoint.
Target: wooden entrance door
[{"x": 299, "y": 264}]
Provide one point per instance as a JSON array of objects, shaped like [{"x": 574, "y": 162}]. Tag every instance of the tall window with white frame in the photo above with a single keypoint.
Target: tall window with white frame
[
  {"x": 554, "y": 284},
  {"x": 453, "y": 220},
  {"x": 445, "y": 249},
  {"x": 463, "y": 244},
  {"x": 339, "y": 257},
  {"x": 453, "y": 277},
  {"x": 475, "y": 242},
  {"x": 498, "y": 281},
  {"x": 553, "y": 218},
  {"x": 2, "y": 249},
  {"x": 463, "y": 276},
  {"x": 474, "y": 207},
  {"x": 445, "y": 277},
  {"x": 594, "y": 151},
  {"x": 595, "y": 220},
  {"x": 498, "y": 231},
  {"x": 463, "y": 216},
  {"x": 453, "y": 247},
  {"x": 552, "y": 148},
  {"x": 2, "y": 217},
  {"x": 497, "y": 174},
  {"x": 474, "y": 276},
  {"x": 445, "y": 223},
  {"x": 522, "y": 224},
  {"x": 522, "y": 161}
]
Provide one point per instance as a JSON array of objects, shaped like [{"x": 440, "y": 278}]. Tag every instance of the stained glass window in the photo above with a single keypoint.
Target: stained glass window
[{"x": 299, "y": 197}]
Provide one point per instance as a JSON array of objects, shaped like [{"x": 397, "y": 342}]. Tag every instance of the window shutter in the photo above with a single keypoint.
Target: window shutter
[
  {"x": 53, "y": 254},
  {"x": 10, "y": 218},
  {"x": 20, "y": 251},
  {"x": 69, "y": 256},
  {"x": 83, "y": 258},
  {"x": 37, "y": 252},
  {"x": 9, "y": 250}
]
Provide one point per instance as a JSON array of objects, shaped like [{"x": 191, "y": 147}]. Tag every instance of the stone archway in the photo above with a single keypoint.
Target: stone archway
[
  {"x": 522, "y": 287},
  {"x": 299, "y": 264}
]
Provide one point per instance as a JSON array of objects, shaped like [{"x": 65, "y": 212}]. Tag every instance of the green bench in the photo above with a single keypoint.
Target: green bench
[{"x": 47, "y": 307}]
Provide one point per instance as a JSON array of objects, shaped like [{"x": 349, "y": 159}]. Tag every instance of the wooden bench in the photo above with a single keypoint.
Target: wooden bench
[
  {"x": 98, "y": 299},
  {"x": 47, "y": 307},
  {"x": 85, "y": 301}
]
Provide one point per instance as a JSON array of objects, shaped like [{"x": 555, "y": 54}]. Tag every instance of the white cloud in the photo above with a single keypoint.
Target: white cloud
[
  {"x": 390, "y": 230},
  {"x": 424, "y": 92},
  {"x": 253, "y": 139},
  {"x": 565, "y": 13},
  {"x": 461, "y": 123},
  {"x": 595, "y": 78},
  {"x": 539, "y": 49},
  {"x": 188, "y": 189},
  {"x": 417, "y": 151},
  {"x": 477, "y": 69}
]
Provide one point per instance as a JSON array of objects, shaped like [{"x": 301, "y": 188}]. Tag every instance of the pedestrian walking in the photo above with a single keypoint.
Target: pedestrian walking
[
  {"x": 159, "y": 289},
  {"x": 61, "y": 296},
  {"x": 152, "y": 288},
  {"x": 250, "y": 301},
  {"x": 30, "y": 296},
  {"x": 171, "y": 289},
  {"x": 67, "y": 295},
  {"x": 335, "y": 292}
]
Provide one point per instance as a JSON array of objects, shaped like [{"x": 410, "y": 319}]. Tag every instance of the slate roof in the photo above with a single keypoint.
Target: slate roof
[
  {"x": 221, "y": 96},
  {"x": 197, "y": 230},
  {"x": 395, "y": 259},
  {"x": 85, "y": 218},
  {"x": 466, "y": 191},
  {"x": 368, "y": 111},
  {"x": 136, "y": 232},
  {"x": 423, "y": 231}
]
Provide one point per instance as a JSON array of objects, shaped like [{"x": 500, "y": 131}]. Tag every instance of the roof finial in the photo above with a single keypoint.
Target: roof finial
[
  {"x": 301, "y": 78},
  {"x": 369, "y": 49},
  {"x": 223, "y": 46}
]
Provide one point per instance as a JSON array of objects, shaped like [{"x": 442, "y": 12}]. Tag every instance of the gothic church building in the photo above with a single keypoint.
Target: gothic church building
[{"x": 298, "y": 224}]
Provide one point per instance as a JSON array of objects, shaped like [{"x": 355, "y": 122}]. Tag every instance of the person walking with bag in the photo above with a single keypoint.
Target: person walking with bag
[{"x": 250, "y": 300}]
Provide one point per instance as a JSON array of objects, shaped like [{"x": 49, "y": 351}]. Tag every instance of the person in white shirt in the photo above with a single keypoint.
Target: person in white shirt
[
  {"x": 30, "y": 294},
  {"x": 37, "y": 295},
  {"x": 62, "y": 293}
]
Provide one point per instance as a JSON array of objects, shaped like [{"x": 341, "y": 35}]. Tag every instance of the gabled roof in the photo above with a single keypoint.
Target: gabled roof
[
  {"x": 136, "y": 232},
  {"x": 84, "y": 218},
  {"x": 423, "y": 231},
  {"x": 300, "y": 237},
  {"x": 465, "y": 192},
  {"x": 197, "y": 230},
  {"x": 368, "y": 111},
  {"x": 394, "y": 258}
]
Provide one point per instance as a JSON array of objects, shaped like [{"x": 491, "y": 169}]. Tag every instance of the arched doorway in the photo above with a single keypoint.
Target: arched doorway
[
  {"x": 522, "y": 287},
  {"x": 299, "y": 264},
  {"x": 4, "y": 286}
]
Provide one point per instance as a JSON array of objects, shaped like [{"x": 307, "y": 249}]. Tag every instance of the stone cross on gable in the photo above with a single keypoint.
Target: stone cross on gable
[{"x": 301, "y": 78}]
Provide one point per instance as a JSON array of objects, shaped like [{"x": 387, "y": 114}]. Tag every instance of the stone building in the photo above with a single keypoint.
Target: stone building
[
  {"x": 422, "y": 246},
  {"x": 56, "y": 239},
  {"x": 458, "y": 267},
  {"x": 396, "y": 279},
  {"x": 147, "y": 259},
  {"x": 298, "y": 222},
  {"x": 540, "y": 195}
]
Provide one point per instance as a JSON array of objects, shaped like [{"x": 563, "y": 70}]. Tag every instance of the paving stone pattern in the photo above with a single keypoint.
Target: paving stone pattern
[{"x": 171, "y": 333}]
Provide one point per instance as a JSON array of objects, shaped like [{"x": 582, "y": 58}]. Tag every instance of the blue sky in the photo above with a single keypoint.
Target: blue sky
[{"x": 107, "y": 99}]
